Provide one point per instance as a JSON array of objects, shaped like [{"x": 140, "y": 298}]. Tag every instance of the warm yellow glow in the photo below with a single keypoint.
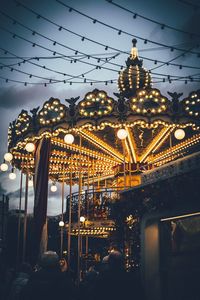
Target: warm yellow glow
[
  {"x": 4, "y": 167},
  {"x": 82, "y": 219},
  {"x": 102, "y": 145},
  {"x": 132, "y": 145},
  {"x": 69, "y": 138},
  {"x": 8, "y": 156},
  {"x": 153, "y": 144},
  {"x": 122, "y": 134},
  {"x": 30, "y": 147},
  {"x": 179, "y": 134}
]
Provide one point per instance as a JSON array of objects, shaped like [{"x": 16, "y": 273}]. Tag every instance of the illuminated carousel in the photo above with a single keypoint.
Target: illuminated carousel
[{"x": 102, "y": 142}]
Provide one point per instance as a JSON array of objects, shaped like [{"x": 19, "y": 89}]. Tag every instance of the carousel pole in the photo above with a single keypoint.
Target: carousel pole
[
  {"x": 61, "y": 228},
  {"x": 70, "y": 218},
  {"x": 88, "y": 187},
  {"x": 93, "y": 185},
  {"x": 25, "y": 219},
  {"x": 124, "y": 165},
  {"x": 129, "y": 171},
  {"x": 87, "y": 212},
  {"x": 79, "y": 215},
  {"x": 19, "y": 221}
]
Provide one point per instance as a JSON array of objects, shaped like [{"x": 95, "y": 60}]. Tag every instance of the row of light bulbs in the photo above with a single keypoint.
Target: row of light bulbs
[{"x": 69, "y": 139}]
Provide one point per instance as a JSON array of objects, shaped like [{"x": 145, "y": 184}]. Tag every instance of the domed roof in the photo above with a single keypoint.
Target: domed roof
[{"x": 134, "y": 76}]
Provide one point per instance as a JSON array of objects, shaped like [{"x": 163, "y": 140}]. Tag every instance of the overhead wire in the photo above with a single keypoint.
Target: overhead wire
[
  {"x": 96, "y": 42},
  {"x": 71, "y": 9},
  {"x": 162, "y": 25},
  {"x": 35, "y": 44}
]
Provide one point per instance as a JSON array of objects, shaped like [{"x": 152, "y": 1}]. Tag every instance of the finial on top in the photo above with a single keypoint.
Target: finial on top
[
  {"x": 134, "y": 41},
  {"x": 134, "y": 51}
]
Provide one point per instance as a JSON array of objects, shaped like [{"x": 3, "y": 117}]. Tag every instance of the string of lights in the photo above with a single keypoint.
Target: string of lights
[
  {"x": 84, "y": 38},
  {"x": 53, "y": 41},
  {"x": 170, "y": 47},
  {"x": 45, "y": 84},
  {"x": 62, "y": 56},
  {"x": 14, "y": 35},
  {"x": 54, "y": 80},
  {"x": 110, "y": 81},
  {"x": 162, "y": 26},
  {"x": 168, "y": 77},
  {"x": 175, "y": 58}
]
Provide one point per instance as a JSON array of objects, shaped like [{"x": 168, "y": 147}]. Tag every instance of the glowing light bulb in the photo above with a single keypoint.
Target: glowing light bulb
[
  {"x": 30, "y": 182},
  {"x": 53, "y": 188},
  {"x": 82, "y": 219},
  {"x": 69, "y": 138},
  {"x": 8, "y": 156},
  {"x": 122, "y": 134},
  {"x": 179, "y": 134},
  {"x": 12, "y": 176},
  {"x": 30, "y": 147},
  {"x": 61, "y": 224},
  {"x": 4, "y": 167}
]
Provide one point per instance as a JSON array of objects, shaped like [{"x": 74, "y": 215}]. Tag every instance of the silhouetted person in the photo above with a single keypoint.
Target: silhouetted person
[
  {"x": 113, "y": 282},
  {"x": 49, "y": 282},
  {"x": 20, "y": 281}
]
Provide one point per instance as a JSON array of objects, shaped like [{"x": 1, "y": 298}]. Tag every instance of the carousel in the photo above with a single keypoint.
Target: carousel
[{"x": 102, "y": 144}]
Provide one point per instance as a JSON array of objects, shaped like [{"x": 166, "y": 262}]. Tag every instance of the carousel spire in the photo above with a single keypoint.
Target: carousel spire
[{"x": 134, "y": 50}]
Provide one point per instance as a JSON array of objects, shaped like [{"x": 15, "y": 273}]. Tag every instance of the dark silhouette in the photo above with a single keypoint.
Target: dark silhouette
[
  {"x": 114, "y": 282},
  {"x": 49, "y": 282},
  {"x": 20, "y": 281}
]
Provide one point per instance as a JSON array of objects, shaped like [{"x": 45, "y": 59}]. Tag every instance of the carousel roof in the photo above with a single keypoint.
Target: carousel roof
[{"x": 149, "y": 118}]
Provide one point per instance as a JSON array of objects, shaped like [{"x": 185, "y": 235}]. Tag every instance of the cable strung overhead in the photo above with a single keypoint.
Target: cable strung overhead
[
  {"x": 162, "y": 26},
  {"x": 170, "y": 47},
  {"x": 106, "y": 47}
]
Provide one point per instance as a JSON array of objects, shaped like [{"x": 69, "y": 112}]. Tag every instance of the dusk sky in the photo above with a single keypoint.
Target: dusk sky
[{"x": 63, "y": 49}]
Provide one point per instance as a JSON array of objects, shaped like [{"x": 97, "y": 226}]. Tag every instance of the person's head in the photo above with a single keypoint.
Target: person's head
[
  {"x": 63, "y": 265},
  {"x": 49, "y": 260},
  {"x": 105, "y": 259},
  {"x": 115, "y": 260}
]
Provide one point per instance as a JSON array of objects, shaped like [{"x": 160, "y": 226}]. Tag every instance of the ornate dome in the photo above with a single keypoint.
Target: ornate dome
[{"x": 134, "y": 76}]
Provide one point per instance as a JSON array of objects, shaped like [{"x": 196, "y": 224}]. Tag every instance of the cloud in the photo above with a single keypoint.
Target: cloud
[{"x": 13, "y": 97}]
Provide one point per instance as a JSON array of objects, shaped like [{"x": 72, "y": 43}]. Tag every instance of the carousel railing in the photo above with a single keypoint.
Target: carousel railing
[{"x": 95, "y": 204}]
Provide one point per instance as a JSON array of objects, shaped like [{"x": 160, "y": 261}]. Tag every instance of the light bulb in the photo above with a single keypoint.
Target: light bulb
[
  {"x": 69, "y": 138},
  {"x": 82, "y": 219},
  {"x": 122, "y": 134},
  {"x": 4, "y": 167},
  {"x": 53, "y": 188},
  {"x": 8, "y": 156},
  {"x": 61, "y": 223},
  {"x": 30, "y": 182},
  {"x": 30, "y": 147},
  {"x": 179, "y": 134},
  {"x": 12, "y": 176}
]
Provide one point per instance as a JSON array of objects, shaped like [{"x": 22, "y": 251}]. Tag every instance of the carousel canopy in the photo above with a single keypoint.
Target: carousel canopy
[{"x": 83, "y": 132}]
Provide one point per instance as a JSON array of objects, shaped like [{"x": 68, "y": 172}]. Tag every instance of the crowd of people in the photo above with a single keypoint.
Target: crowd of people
[{"x": 52, "y": 279}]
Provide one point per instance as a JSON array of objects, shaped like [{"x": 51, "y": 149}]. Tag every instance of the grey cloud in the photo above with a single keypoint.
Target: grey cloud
[{"x": 12, "y": 97}]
